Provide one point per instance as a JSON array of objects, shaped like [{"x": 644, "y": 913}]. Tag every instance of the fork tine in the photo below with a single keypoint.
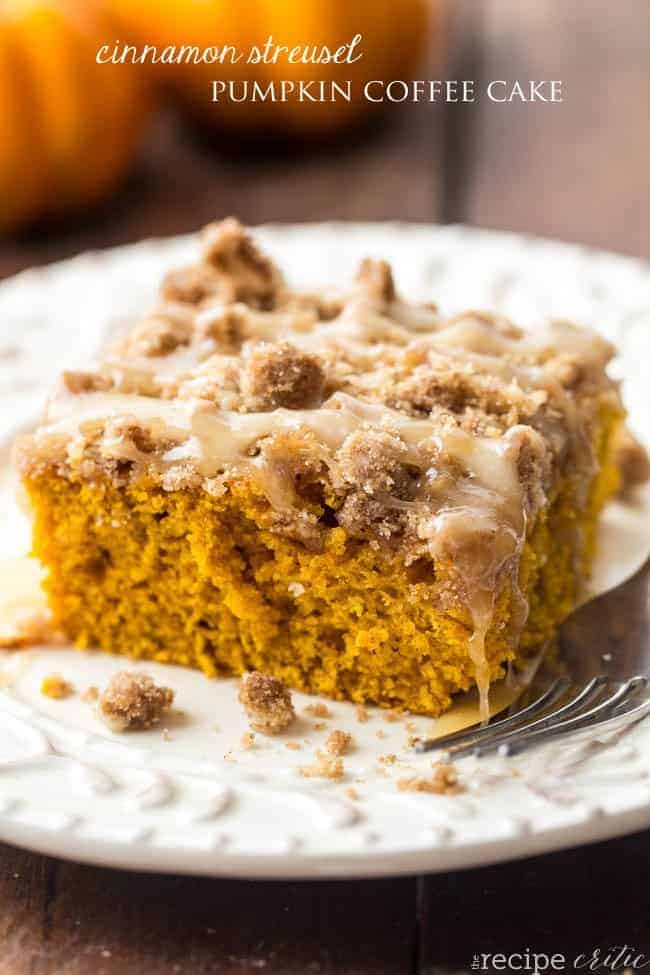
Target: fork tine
[
  {"x": 572, "y": 709},
  {"x": 641, "y": 684},
  {"x": 584, "y": 696},
  {"x": 546, "y": 699},
  {"x": 610, "y": 707}
]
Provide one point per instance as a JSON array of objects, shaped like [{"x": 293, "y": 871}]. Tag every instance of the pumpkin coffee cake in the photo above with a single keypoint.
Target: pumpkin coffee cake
[{"x": 347, "y": 492}]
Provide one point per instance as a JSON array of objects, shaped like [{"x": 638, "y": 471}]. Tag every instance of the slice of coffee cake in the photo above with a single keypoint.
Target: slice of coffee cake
[{"x": 349, "y": 493}]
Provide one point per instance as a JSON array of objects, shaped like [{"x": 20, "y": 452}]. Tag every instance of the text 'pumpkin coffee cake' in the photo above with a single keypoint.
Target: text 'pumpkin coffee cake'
[{"x": 345, "y": 491}]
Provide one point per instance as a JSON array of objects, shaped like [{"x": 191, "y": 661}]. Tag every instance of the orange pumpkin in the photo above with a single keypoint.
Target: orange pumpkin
[
  {"x": 393, "y": 37},
  {"x": 68, "y": 126}
]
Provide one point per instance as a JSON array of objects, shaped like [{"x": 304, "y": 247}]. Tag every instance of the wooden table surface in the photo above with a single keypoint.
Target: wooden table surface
[{"x": 577, "y": 171}]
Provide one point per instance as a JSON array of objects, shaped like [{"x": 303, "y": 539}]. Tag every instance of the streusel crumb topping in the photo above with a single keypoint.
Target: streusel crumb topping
[
  {"x": 133, "y": 701},
  {"x": 383, "y": 400},
  {"x": 231, "y": 269},
  {"x": 267, "y": 702},
  {"x": 281, "y": 375}
]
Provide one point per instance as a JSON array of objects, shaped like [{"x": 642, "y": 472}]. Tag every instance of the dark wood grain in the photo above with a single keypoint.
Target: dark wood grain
[
  {"x": 578, "y": 170},
  {"x": 569, "y": 902},
  {"x": 25, "y": 897},
  {"x": 62, "y": 919}
]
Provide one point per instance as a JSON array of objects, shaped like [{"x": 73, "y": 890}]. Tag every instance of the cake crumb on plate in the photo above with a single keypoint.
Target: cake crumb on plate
[
  {"x": 324, "y": 767},
  {"x": 388, "y": 759},
  {"x": 267, "y": 702},
  {"x": 392, "y": 716},
  {"x": 132, "y": 701},
  {"x": 56, "y": 687},
  {"x": 247, "y": 741},
  {"x": 318, "y": 710},
  {"x": 443, "y": 781},
  {"x": 338, "y": 742}
]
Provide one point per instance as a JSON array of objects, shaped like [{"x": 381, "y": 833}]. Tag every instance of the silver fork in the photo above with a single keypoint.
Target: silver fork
[
  {"x": 563, "y": 707},
  {"x": 606, "y": 680}
]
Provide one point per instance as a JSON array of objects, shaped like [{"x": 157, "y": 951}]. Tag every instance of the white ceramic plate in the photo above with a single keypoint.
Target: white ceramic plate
[{"x": 190, "y": 798}]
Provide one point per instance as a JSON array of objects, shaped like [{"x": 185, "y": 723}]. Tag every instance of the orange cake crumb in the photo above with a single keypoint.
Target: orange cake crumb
[
  {"x": 247, "y": 740},
  {"x": 132, "y": 701},
  {"x": 56, "y": 686},
  {"x": 267, "y": 702}
]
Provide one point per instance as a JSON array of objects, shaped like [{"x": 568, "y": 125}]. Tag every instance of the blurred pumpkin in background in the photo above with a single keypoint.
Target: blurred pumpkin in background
[
  {"x": 394, "y": 34},
  {"x": 69, "y": 127}
]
